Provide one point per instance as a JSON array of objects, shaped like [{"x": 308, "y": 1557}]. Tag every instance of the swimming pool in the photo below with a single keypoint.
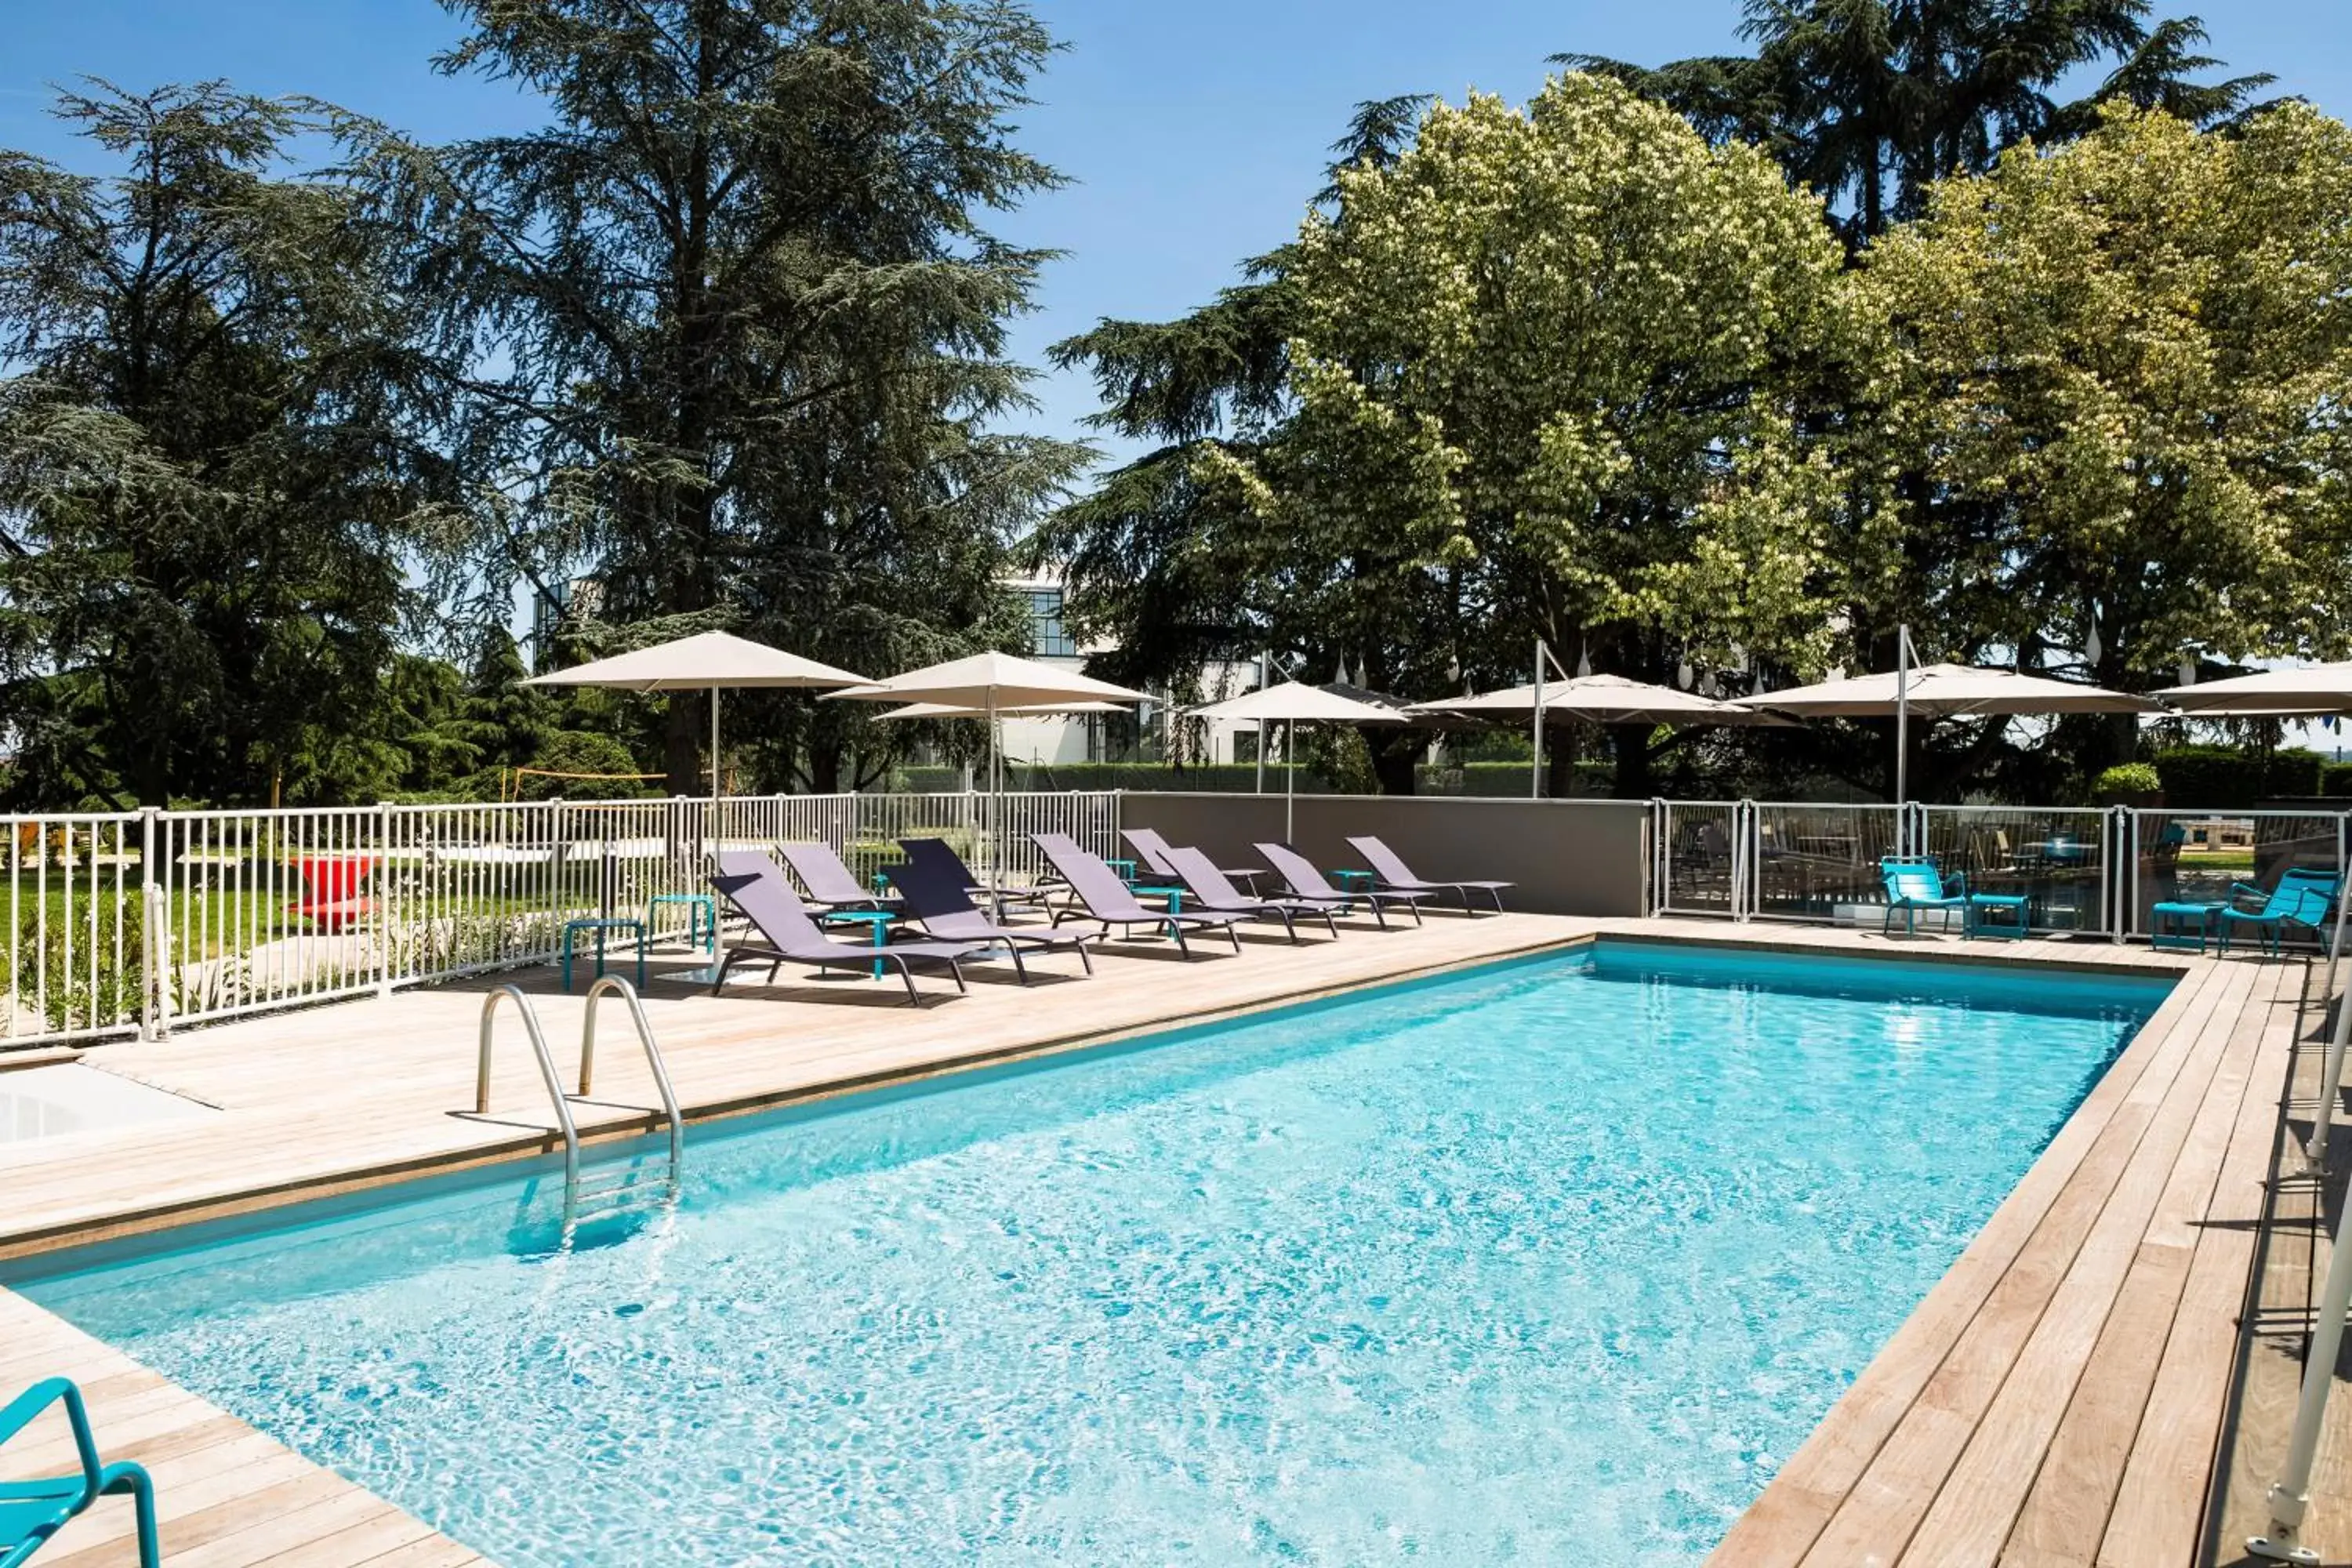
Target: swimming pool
[{"x": 1550, "y": 1259}]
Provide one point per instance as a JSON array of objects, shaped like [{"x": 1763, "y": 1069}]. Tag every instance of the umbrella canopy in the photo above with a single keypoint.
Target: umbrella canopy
[
  {"x": 991, "y": 682},
  {"x": 707, "y": 662},
  {"x": 1293, "y": 703},
  {"x": 1600, "y": 699},
  {"x": 1954, "y": 690},
  {"x": 2319, "y": 688},
  {"x": 1042, "y": 710}
]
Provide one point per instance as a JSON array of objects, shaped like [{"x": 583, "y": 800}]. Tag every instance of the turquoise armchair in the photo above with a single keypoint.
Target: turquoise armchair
[{"x": 32, "y": 1512}]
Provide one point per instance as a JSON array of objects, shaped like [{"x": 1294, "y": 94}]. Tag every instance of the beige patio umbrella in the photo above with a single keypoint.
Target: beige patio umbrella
[
  {"x": 1290, "y": 705},
  {"x": 991, "y": 684},
  {"x": 2316, "y": 690},
  {"x": 1953, "y": 690},
  {"x": 711, "y": 661},
  {"x": 1597, "y": 699}
]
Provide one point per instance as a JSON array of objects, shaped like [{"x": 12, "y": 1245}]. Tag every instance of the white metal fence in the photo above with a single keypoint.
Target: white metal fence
[
  {"x": 129, "y": 923},
  {"x": 2089, "y": 871}
]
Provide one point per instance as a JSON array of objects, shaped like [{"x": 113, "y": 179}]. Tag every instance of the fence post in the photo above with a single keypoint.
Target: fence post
[
  {"x": 151, "y": 947},
  {"x": 386, "y": 881}
]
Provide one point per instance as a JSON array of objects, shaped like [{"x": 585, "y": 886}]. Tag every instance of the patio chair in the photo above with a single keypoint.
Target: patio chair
[
  {"x": 31, "y": 1511},
  {"x": 2304, "y": 896},
  {"x": 757, "y": 886},
  {"x": 1153, "y": 848},
  {"x": 932, "y": 891},
  {"x": 331, "y": 896},
  {"x": 825, "y": 880},
  {"x": 1306, "y": 883},
  {"x": 1102, "y": 897},
  {"x": 1213, "y": 894},
  {"x": 1395, "y": 876},
  {"x": 1913, "y": 884}
]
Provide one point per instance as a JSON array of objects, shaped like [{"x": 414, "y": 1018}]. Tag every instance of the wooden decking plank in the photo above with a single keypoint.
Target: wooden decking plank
[
  {"x": 2066, "y": 1512},
  {"x": 2167, "y": 1479},
  {"x": 1876, "y": 1523}
]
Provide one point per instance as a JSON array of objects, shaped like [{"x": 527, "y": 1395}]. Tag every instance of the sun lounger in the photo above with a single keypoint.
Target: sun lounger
[
  {"x": 1395, "y": 876},
  {"x": 1153, "y": 848},
  {"x": 932, "y": 891},
  {"x": 1103, "y": 897},
  {"x": 939, "y": 853},
  {"x": 756, "y": 885},
  {"x": 825, "y": 880},
  {"x": 1213, "y": 894},
  {"x": 1310, "y": 886}
]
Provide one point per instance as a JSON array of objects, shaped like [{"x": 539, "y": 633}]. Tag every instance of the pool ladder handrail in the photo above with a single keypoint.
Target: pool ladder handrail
[{"x": 554, "y": 1079}]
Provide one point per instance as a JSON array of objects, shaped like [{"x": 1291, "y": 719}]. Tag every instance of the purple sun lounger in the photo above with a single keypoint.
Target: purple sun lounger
[
  {"x": 825, "y": 878},
  {"x": 1395, "y": 876},
  {"x": 1214, "y": 895},
  {"x": 756, "y": 885},
  {"x": 1103, "y": 897},
  {"x": 1309, "y": 886}
]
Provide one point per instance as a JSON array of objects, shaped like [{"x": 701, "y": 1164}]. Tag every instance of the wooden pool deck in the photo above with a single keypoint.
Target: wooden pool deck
[{"x": 2059, "y": 1397}]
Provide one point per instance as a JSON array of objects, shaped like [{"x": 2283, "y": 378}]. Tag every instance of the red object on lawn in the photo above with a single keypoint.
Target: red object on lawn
[{"x": 331, "y": 899}]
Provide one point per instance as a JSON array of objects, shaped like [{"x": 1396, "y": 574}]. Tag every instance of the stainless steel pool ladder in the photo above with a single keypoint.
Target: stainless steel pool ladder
[{"x": 574, "y": 1190}]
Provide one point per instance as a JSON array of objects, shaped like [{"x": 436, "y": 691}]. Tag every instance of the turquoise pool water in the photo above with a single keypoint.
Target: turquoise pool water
[{"x": 1547, "y": 1263}]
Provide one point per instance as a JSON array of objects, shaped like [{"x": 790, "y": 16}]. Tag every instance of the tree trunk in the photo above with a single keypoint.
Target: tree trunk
[
  {"x": 689, "y": 713},
  {"x": 1631, "y": 743},
  {"x": 825, "y": 767},
  {"x": 1395, "y": 758}
]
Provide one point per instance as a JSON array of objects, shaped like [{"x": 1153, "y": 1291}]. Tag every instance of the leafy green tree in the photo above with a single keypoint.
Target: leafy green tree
[
  {"x": 210, "y": 472},
  {"x": 2123, "y": 372},
  {"x": 1870, "y": 102},
  {"x": 1541, "y": 385},
  {"x": 748, "y": 323}
]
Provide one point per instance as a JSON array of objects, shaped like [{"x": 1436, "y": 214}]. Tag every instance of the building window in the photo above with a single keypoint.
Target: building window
[{"x": 1046, "y": 617}]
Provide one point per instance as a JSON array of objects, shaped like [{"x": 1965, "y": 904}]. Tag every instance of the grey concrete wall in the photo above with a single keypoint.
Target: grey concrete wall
[{"x": 1567, "y": 857}]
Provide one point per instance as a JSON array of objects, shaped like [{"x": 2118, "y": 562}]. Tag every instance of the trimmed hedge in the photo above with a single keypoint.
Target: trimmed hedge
[
  {"x": 2335, "y": 780},
  {"x": 2223, "y": 778},
  {"x": 1501, "y": 779}
]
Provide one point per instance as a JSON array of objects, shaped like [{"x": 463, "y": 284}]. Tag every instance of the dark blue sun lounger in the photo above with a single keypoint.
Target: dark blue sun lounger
[{"x": 932, "y": 890}]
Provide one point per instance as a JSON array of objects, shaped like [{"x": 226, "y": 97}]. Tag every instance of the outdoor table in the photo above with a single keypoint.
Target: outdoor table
[
  {"x": 2005, "y": 904},
  {"x": 700, "y": 908},
  {"x": 1125, "y": 869},
  {"x": 2178, "y": 923},
  {"x": 1350, "y": 880},
  {"x": 600, "y": 925},
  {"x": 879, "y": 919}
]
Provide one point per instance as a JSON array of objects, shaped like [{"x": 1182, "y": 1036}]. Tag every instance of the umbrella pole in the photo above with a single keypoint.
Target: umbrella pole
[
  {"x": 1902, "y": 727},
  {"x": 1535, "y": 770},
  {"x": 714, "y": 745},
  {"x": 1289, "y": 782},
  {"x": 996, "y": 807}
]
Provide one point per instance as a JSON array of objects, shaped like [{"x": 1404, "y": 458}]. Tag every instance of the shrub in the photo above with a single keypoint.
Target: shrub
[
  {"x": 2225, "y": 779},
  {"x": 2335, "y": 780},
  {"x": 2128, "y": 778},
  {"x": 70, "y": 958}
]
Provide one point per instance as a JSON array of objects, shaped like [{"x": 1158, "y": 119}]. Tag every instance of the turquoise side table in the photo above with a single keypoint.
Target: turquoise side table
[
  {"x": 879, "y": 919},
  {"x": 2179, "y": 924},
  {"x": 701, "y": 917},
  {"x": 571, "y": 928}
]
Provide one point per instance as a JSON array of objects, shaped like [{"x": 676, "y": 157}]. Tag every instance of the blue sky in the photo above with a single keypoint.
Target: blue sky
[{"x": 1193, "y": 131}]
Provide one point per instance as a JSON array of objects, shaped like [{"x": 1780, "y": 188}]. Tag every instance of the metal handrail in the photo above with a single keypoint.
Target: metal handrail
[
  {"x": 628, "y": 992},
  {"x": 546, "y": 1070}
]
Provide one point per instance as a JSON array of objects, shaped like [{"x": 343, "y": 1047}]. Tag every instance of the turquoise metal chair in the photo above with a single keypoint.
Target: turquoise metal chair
[
  {"x": 1913, "y": 883},
  {"x": 2304, "y": 896},
  {"x": 33, "y": 1511}
]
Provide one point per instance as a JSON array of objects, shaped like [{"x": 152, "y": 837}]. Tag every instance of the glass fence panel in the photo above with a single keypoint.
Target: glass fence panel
[
  {"x": 1821, "y": 862},
  {"x": 1699, "y": 839},
  {"x": 2057, "y": 859},
  {"x": 2212, "y": 857}
]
